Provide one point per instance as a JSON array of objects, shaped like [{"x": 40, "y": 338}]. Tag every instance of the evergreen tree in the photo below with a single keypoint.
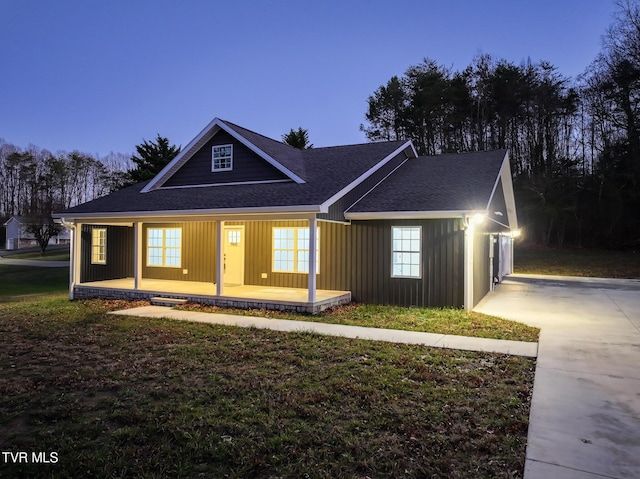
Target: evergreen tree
[
  {"x": 297, "y": 138},
  {"x": 151, "y": 157}
]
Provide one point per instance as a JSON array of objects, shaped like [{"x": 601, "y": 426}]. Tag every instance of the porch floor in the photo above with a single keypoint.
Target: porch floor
[{"x": 242, "y": 296}]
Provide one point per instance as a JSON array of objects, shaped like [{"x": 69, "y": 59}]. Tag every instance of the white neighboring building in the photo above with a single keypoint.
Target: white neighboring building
[{"x": 19, "y": 237}]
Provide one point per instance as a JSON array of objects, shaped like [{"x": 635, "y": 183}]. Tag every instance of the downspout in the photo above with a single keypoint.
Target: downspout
[{"x": 492, "y": 243}]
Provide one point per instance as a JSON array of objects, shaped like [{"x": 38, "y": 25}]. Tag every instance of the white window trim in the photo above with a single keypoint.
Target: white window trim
[
  {"x": 230, "y": 167},
  {"x": 393, "y": 251},
  {"x": 98, "y": 250},
  {"x": 295, "y": 249},
  {"x": 164, "y": 248}
]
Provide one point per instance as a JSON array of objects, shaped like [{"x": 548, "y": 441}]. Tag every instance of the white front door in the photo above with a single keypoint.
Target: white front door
[{"x": 233, "y": 255}]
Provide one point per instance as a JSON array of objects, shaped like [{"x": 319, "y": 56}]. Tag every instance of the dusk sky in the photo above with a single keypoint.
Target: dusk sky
[{"x": 101, "y": 76}]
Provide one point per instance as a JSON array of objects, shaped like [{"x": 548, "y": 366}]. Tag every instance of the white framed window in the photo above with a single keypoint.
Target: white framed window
[
  {"x": 291, "y": 250},
  {"x": 222, "y": 158},
  {"x": 99, "y": 246},
  {"x": 164, "y": 247},
  {"x": 406, "y": 251}
]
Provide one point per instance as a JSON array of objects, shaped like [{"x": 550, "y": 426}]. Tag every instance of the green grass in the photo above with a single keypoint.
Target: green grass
[
  {"x": 531, "y": 259},
  {"x": 125, "y": 397},
  {"x": 27, "y": 280},
  {"x": 432, "y": 320},
  {"x": 50, "y": 255}
]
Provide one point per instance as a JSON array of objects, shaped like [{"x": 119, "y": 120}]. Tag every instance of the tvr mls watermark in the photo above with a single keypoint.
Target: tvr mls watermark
[{"x": 23, "y": 457}]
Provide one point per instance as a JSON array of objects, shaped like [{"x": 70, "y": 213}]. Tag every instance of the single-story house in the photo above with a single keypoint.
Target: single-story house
[
  {"x": 239, "y": 219},
  {"x": 18, "y": 234}
]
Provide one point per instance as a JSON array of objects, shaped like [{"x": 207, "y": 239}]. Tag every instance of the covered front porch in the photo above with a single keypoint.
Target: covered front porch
[
  {"x": 238, "y": 296},
  {"x": 267, "y": 261}
]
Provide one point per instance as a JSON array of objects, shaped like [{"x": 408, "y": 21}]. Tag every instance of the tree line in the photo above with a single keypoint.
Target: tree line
[
  {"x": 574, "y": 144},
  {"x": 34, "y": 181}
]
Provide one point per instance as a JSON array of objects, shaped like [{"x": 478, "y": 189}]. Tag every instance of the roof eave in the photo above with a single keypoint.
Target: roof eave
[
  {"x": 266, "y": 210},
  {"x": 411, "y": 215}
]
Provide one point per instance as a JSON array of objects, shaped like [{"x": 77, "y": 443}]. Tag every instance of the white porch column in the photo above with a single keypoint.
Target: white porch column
[
  {"x": 313, "y": 254},
  {"x": 220, "y": 259},
  {"x": 468, "y": 267},
  {"x": 137, "y": 254},
  {"x": 74, "y": 267}
]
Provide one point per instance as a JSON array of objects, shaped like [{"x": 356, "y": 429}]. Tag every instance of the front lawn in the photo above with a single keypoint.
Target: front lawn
[
  {"x": 116, "y": 396},
  {"x": 18, "y": 280},
  {"x": 433, "y": 320},
  {"x": 58, "y": 254}
]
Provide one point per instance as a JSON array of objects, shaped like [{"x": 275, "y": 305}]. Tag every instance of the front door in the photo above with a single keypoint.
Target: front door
[{"x": 233, "y": 255}]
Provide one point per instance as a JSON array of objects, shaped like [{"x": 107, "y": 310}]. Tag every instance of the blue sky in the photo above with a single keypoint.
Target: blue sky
[{"x": 102, "y": 75}]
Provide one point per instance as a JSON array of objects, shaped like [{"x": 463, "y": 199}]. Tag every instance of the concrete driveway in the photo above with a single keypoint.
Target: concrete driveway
[{"x": 585, "y": 411}]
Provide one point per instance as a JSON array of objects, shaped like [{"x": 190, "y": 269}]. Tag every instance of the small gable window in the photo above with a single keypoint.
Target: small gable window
[
  {"x": 222, "y": 159},
  {"x": 406, "y": 251}
]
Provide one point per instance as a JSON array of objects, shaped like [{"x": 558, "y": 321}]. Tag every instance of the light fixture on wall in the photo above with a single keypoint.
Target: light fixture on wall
[{"x": 473, "y": 219}]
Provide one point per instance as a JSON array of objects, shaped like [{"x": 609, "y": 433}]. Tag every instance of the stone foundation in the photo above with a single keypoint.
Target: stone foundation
[{"x": 87, "y": 292}]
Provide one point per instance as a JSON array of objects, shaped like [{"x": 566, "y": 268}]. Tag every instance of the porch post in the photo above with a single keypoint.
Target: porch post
[
  {"x": 313, "y": 254},
  {"x": 220, "y": 259},
  {"x": 137, "y": 254},
  {"x": 74, "y": 267},
  {"x": 468, "y": 266}
]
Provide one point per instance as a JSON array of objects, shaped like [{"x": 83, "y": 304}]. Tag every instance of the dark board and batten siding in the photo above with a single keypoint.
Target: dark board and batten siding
[
  {"x": 334, "y": 253},
  {"x": 247, "y": 166},
  {"x": 120, "y": 254},
  {"x": 355, "y": 257},
  {"x": 481, "y": 263},
  {"x": 198, "y": 261},
  {"x": 441, "y": 283}
]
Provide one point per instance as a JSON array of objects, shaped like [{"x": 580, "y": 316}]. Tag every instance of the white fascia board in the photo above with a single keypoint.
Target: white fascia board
[
  {"x": 233, "y": 183},
  {"x": 410, "y": 215},
  {"x": 184, "y": 154},
  {"x": 509, "y": 196},
  {"x": 127, "y": 216},
  {"x": 273, "y": 162},
  {"x": 504, "y": 175},
  {"x": 367, "y": 174}
]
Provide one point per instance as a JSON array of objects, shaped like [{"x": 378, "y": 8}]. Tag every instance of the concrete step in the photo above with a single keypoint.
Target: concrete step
[{"x": 160, "y": 301}]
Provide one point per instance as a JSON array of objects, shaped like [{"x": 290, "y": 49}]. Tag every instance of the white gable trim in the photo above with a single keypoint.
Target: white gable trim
[
  {"x": 186, "y": 153},
  {"x": 504, "y": 175},
  {"x": 369, "y": 172},
  {"x": 198, "y": 142},
  {"x": 261, "y": 153}
]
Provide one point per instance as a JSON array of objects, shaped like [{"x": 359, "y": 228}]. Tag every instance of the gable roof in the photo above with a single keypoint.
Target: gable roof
[
  {"x": 288, "y": 157},
  {"x": 328, "y": 173},
  {"x": 23, "y": 220},
  {"x": 444, "y": 184}
]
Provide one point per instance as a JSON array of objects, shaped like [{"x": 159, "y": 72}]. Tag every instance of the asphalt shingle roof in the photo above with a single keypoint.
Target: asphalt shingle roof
[
  {"x": 438, "y": 183},
  {"x": 450, "y": 182},
  {"x": 326, "y": 172}
]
